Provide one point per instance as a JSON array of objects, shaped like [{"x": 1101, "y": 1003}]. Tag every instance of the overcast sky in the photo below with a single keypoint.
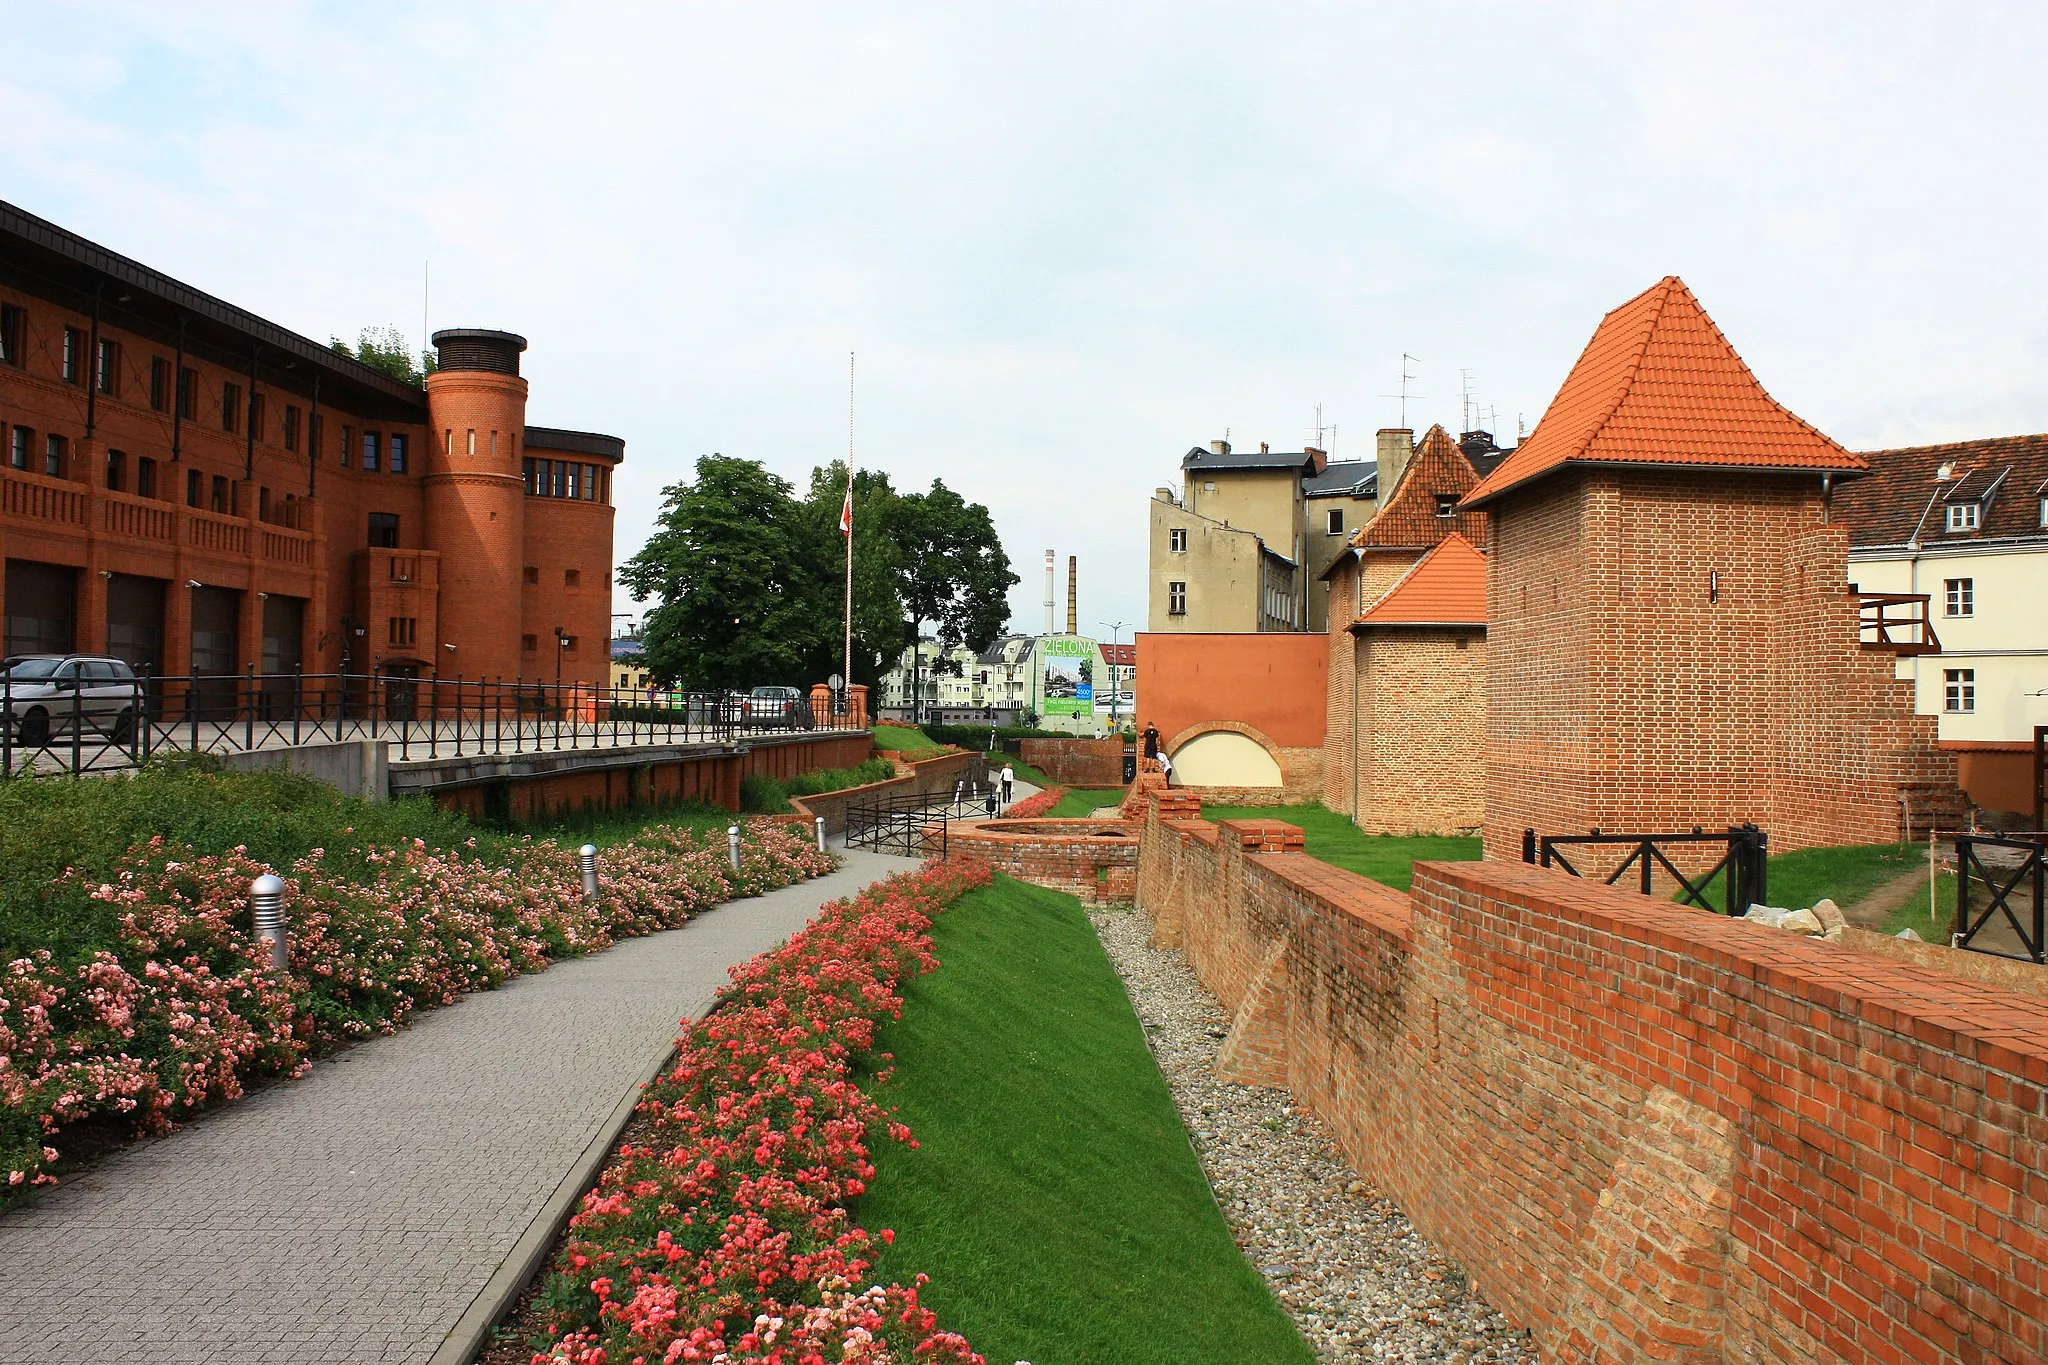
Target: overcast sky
[{"x": 1070, "y": 241}]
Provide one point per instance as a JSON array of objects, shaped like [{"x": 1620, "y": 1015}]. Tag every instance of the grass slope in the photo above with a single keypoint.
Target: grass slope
[
  {"x": 1054, "y": 1199},
  {"x": 903, "y": 739},
  {"x": 1334, "y": 839},
  {"x": 1081, "y": 802}
]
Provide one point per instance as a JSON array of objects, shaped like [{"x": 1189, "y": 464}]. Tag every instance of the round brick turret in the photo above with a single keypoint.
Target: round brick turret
[{"x": 476, "y": 498}]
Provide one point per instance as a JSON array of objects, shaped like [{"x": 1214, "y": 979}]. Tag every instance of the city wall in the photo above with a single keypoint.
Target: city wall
[
  {"x": 1077, "y": 762},
  {"x": 1647, "y": 1133}
]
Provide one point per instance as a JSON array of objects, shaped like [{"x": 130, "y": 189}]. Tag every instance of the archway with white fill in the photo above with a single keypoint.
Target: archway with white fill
[{"x": 1224, "y": 758}]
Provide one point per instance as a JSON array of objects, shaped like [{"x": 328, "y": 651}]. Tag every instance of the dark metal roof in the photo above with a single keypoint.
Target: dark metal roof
[
  {"x": 611, "y": 448},
  {"x": 50, "y": 262},
  {"x": 1201, "y": 457},
  {"x": 1356, "y": 477}
]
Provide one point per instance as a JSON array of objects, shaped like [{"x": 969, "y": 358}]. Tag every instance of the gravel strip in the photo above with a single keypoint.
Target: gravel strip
[{"x": 1361, "y": 1283}]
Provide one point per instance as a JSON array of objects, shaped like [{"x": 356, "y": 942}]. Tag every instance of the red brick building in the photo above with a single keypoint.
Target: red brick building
[
  {"x": 197, "y": 490},
  {"x": 1671, "y": 635}
]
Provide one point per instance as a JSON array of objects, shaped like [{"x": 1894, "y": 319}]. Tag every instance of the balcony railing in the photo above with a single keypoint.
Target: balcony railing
[{"x": 1897, "y": 623}]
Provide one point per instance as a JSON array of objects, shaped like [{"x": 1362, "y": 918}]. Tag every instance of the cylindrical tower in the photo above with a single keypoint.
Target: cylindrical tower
[{"x": 476, "y": 500}]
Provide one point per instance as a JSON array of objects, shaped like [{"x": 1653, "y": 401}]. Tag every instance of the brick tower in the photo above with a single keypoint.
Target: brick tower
[{"x": 476, "y": 499}]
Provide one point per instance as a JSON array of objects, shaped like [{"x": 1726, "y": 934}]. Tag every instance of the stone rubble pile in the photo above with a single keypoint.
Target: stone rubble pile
[{"x": 1360, "y": 1282}]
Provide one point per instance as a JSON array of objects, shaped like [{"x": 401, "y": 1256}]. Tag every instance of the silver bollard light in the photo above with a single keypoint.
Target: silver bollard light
[
  {"x": 266, "y": 904},
  {"x": 586, "y": 861},
  {"x": 732, "y": 843},
  {"x": 820, "y": 822}
]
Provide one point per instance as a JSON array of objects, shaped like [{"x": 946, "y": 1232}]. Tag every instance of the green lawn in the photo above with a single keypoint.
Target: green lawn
[
  {"x": 1334, "y": 839},
  {"x": 1080, "y": 802},
  {"x": 1848, "y": 873},
  {"x": 1053, "y": 1199},
  {"x": 905, "y": 740},
  {"x": 997, "y": 761}
]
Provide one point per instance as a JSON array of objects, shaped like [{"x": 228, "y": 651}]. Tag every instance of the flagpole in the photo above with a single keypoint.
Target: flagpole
[{"x": 848, "y": 673}]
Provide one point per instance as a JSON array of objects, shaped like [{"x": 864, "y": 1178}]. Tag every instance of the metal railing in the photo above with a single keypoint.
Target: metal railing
[
  {"x": 1741, "y": 866},
  {"x": 915, "y": 824},
  {"x": 1981, "y": 861},
  {"x": 105, "y": 725}
]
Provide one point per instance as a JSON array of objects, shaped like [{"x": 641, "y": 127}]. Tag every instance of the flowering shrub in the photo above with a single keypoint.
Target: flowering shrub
[
  {"x": 186, "y": 1008},
  {"x": 1036, "y": 805},
  {"x": 723, "y": 1237}
]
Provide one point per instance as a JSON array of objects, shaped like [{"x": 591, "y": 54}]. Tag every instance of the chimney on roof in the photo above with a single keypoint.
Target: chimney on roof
[
  {"x": 1318, "y": 459},
  {"x": 1073, "y": 601},
  {"x": 1048, "y": 592},
  {"x": 1219, "y": 447},
  {"x": 1395, "y": 446},
  {"x": 1477, "y": 443},
  {"x": 1265, "y": 449}
]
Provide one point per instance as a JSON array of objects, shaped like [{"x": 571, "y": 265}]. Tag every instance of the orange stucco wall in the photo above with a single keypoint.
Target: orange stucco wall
[{"x": 1272, "y": 683}]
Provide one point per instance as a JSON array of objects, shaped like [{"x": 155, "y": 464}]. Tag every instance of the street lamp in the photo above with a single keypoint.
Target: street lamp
[
  {"x": 1116, "y": 694},
  {"x": 561, "y": 644}
]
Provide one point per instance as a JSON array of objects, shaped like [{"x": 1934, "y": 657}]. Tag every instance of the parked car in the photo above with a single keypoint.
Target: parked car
[
  {"x": 45, "y": 694},
  {"x": 777, "y": 706}
]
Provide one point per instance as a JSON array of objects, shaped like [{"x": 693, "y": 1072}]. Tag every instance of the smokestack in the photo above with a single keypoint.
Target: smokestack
[
  {"x": 1048, "y": 592},
  {"x": 1073, "y": 602},
  {"x": 1395, "y": 444}
]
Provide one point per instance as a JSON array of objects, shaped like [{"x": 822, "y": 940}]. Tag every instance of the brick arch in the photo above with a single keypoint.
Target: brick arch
[{"x": 1206, "y": 727}]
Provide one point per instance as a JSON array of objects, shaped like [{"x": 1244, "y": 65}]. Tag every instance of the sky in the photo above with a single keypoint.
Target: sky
[{"x": 1068, "y": 242}]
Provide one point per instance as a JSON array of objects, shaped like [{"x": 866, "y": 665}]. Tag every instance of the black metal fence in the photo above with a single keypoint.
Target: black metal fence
[
  {"x": 88, "y": 724},
  {"x": 1992, "y": 873},
  {"x": 1740, "y": 868},
  {"x": 915, "y": 824}
]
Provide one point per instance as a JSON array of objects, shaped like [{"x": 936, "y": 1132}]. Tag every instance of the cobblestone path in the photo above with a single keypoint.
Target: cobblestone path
[{"x": 352, "y": 1216}]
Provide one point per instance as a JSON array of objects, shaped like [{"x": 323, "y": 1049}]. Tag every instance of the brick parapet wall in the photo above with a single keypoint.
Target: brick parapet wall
[
  {"x": 926, "y": 776},
  {"x": 1094, "y": 860},
  {"x": 1648, "y": 1133},
  {"x": 1076, "y": 762}
]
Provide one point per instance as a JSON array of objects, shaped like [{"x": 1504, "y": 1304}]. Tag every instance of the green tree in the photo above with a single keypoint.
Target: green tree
[
  {"x": 951, "y": 570},
  {"x": 878, "y": 625},
  {"x": 384, "y": 350},
  {"x": 735, "y": 570}
]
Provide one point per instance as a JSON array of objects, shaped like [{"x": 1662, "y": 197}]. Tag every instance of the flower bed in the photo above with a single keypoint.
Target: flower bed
[
  {"x": 1035, "y": 805},
  {"x": 723, "y": 1237},
  {"x": 186, "y": 1009}
]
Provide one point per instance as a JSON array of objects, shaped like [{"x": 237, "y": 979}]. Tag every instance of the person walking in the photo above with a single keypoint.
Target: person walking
[{"x": 1009, "y": 784}]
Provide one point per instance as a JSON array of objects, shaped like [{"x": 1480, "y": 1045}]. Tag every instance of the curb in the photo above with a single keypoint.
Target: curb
[{"x": 471, "y": 1333}]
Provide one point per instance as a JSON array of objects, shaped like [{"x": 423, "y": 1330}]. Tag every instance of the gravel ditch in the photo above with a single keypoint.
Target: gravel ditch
[{"x": 1361, "y": 1283}]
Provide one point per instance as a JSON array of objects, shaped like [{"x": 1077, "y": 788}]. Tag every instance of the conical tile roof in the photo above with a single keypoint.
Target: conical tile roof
[{"x": 1659, "y": 385}]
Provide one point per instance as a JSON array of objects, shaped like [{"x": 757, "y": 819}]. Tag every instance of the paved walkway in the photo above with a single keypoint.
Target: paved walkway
[{"x": 351, "y": 1217}]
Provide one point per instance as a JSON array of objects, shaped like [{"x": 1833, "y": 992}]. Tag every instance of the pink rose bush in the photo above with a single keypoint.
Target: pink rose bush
[
  {"x": 721, "y": 1237},
  {"x": 186, "y": 1010},
  {"x": 1036, "y": 805}
]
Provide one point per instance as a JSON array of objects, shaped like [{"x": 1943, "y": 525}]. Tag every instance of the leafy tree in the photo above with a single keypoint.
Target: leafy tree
[
  {"x": 951, "y": 571},
  {"x": 878, "y": 628},
  {"x": 735, "y": 569},
  {"x": 383, "y": 349}
]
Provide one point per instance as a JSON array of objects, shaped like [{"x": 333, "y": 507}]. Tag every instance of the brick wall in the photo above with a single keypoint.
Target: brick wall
[
  {"x": 1648, "y": 1133},
  {"x": 1676, "y": 649},
  {"x": 924, "y": 777},
  {"x": 1094, "y": 860},
  {"x": 1076, "y": 762}
]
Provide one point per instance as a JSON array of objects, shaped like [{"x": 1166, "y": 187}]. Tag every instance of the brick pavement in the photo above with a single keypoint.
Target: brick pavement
[{"x": 352, "y": 1216}]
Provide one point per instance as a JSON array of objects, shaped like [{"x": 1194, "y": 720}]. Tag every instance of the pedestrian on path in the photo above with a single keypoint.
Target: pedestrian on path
[{"x": 1009, "y": 784}]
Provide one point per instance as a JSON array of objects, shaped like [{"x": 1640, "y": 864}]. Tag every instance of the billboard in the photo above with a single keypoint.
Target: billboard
[{"x": 1070, "y": 663}]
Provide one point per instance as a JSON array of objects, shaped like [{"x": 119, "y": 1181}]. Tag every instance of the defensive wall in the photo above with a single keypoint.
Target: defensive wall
[
  {"x": 1094, "y": 860},
  {"x": 1077, "y": 762},
  {"x": 1241, "y": 716}
]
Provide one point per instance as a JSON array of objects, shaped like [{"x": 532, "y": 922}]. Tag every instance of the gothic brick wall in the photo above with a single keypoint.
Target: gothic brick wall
[
  {"x": 1076, "y": 762},
  {"x": 1093, "y": 860},
  {"x": 1669, "y": 649},
  {"x": 1648, "y": 1133}
]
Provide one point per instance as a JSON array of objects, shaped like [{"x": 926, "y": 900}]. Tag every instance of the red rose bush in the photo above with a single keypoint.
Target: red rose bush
[
  {"x": 186, "y": 1009},
  {"x": 720, "y": 1235},
  {"x": 1035, "y": 805}
]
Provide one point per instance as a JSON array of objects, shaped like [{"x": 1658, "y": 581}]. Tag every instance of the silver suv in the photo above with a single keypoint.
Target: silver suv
[
  {"x": 47, "y": 694},
  {"x": 777, "y": 706}
]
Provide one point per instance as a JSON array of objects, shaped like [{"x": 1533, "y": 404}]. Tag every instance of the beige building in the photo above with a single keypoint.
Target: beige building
[{"x": 1242, "y": 547}]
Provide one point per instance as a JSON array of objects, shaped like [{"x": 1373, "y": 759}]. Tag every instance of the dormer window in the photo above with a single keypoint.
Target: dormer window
[
  {"x": 1965, "y": 516},
  {"x": 1447, "y": 504}
]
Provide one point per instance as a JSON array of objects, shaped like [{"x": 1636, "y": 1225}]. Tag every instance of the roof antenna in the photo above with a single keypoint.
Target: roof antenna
[
  {"x": 1465, "y": 400},
  {"x": 1404, "y": 395},
  {"x": 1319, "y": 429}
]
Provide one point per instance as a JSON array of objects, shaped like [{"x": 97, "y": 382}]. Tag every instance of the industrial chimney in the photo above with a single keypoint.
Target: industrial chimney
[
  {"x": 1048, "y": 592},
  {"x": 1073, "y": 602}
]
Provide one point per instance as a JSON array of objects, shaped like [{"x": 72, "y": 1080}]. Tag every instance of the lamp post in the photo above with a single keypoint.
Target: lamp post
[{"x": 1116, "y": 694}]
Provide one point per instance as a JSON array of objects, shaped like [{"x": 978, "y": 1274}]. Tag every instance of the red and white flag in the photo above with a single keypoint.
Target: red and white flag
[{"x": 846, "y": 512}]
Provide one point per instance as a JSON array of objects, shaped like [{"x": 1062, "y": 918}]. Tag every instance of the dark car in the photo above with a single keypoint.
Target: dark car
[{"x": 49, "y": 694}]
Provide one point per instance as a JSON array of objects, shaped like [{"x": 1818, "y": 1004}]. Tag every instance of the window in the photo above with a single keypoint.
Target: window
[
  {"x": 2044, "y": 509},
  {"x": 220, "y": 493},
  {"x": 256, "y": 411},
  {"x": 1447, "y": 504},
  {"x": 529, "y": 644},
  {"x": 575, "y": 481},
  {"x": 398, "y": 453},
  {"x": 145, "y": 477},
  {"x": 1334, "y": 519},
  {"x": 188, "y": 394},
  {"x": 74, "y": 356},
  {"x": 1965, "y": 516},
  {"x": 1177, "y": 540},
  {"x": 160, "y": 384},
  {"x": 195, "y": 488},
  {"x": 291, "y": 427},
  {"x": 106, "y": 368},
  {"x": 533, "y": 573},
  {"x": 13, "y": 333},
  {"x": 1959, "y": 597},
  {"x": 405, "y": 630},
  {"x": 572, "y": 578},
  {"x": 1176, "y": 599},
  {"x": 230, "y": 407},
  {"x": 18, "y": 447},
  {"x": 1959, "y": 689},
  {"x": 373, "y": 451},
  {"x": 117, "y": 470},
  {"x": 383, "y": 530},
  {"x": 54, "y": 451}
]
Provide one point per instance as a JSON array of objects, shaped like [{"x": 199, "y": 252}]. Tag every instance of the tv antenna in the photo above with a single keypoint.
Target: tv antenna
[
  {"x": 1407, "y": 377},
  {"x": 1319, "y": 429},
  {"x": 1464, "y": 400}
]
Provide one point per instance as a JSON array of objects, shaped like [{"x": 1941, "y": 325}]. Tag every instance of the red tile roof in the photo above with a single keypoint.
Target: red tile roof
[
  {"x": 1659, "y": 385},
  {"x": 1904, "y": 499},
  {"x": 1446, "y": 587},
  {"x": 1121, "y": 655}
]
